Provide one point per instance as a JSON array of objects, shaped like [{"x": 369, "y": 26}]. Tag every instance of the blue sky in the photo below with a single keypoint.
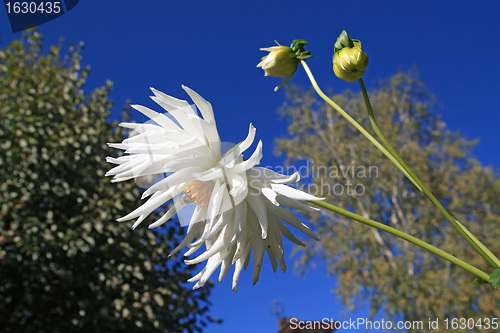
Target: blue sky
[{"x": 213, "y": 47}]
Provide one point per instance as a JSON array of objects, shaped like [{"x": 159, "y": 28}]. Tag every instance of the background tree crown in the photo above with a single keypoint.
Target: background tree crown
[
  {"x": 65, "y": 263},
  {"x": 396, "y": 277}
]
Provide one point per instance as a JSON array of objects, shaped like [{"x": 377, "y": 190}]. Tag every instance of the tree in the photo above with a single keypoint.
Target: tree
[
  {"x": 66, "y": 265},
  {"x": 402, "y": 280}
]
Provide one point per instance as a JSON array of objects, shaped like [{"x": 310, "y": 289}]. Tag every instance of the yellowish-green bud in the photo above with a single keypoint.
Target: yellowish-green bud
[
  {"x": 349, "y": 60},
  {"x": 283, "y": 61},
  {"x": 280, "y": 62}
]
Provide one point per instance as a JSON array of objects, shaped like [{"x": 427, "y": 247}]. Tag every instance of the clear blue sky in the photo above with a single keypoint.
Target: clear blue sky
[{"x": 213, "y": 47}]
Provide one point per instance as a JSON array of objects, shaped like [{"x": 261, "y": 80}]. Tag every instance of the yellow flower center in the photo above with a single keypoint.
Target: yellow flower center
[{"x": 199, "y": 192}]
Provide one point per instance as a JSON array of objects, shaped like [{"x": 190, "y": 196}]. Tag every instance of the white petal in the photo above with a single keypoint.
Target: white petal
[
  {"x": 212, "y": 140},
  {"x": 222, "y": 242},
  {"x": 149, "y": 206},
  {"x": 192, "y": 249},
  {"x": 292, "y": 203},
  {"x": 239, "y": 265},
  {"x": 217, "y": 226},
  {"x": 291, "y": 219},
  {"x": 168, "y": 215},
  {"x": 197, "y": 277},
  {"x": 288, "y": 234},
  {"x": 158, "y": 118},
  {"x": 235, "y": 152},
  {"x": 192, "y": 126},
  {"x": 268, "y": 176},
  {"x": 240, "y": 219},
  {"x": 274, "y": 243},
  {"x": 245, "y": 144},
  {"x": 179, "y": 177},
  {"x": 293, "y": 193},
  {"x": 252, "y": 161},
  {"x": 255, "y": 158},
  {"x": 237, "y": 184},
  {"x": 210, "y": 174},
  {"x": 215, "y": 203},
  {"x": 183, "y": 163},
  {"x": 270, "y": 195},
  {"x": 243, "y": 243},
  {"x": 212, "y": 265},
  {"x": 139, "y": 220},
  {"x": 272, "y": 257},
  {"x": 259, "y": 208},
  {"x": 226, "y": 263},
  {"x": 204, "y": 106},
  {"x": 169, "y": 101},
  {"x": 163, "y": 185},
  {"x": 258, "y": 257},
  {"x": 282, "y": 179},
  {"x": 194, "y": 231}
]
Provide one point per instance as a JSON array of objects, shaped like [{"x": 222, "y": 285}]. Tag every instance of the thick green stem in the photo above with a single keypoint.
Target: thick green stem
[
  {"x": 440, "y": 253},
  {"x": 476, "y": 244},
  {"x": 392, "y": 155},
  {"x": 354, "y": 122}
]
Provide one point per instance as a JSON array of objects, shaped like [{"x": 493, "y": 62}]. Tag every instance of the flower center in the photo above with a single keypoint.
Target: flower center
[{"x": 199, "y": 192}]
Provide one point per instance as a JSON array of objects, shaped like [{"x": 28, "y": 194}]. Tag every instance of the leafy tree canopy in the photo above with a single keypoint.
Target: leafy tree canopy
[
  {"x": 402, "y": 280},
  {"x": 66, "y": 265}
]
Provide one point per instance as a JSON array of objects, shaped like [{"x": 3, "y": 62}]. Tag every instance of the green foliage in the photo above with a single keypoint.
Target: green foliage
[
  {"x": 66, "y": 265},
  {"x": 495, "y": 278},
  {"x": 398, "y": 278}
]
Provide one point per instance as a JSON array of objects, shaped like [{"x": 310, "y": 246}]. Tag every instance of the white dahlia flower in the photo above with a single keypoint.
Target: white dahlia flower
[{"x": 238, "y": 206}]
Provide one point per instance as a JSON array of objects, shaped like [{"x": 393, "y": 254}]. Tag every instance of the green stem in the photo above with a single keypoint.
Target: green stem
[
  {"x": 399, "y": 163},
  {"x": 440, "y": 253},
  {"x": 476, "y": 244},
  {"x": 354, "y": 122}
]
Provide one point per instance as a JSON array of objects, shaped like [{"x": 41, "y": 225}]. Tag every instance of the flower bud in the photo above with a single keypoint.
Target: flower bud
[
  {"x": 283, "y": 61},
  {"x": 280, "y": 62},
  {"x": 349, "y": 61}
]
